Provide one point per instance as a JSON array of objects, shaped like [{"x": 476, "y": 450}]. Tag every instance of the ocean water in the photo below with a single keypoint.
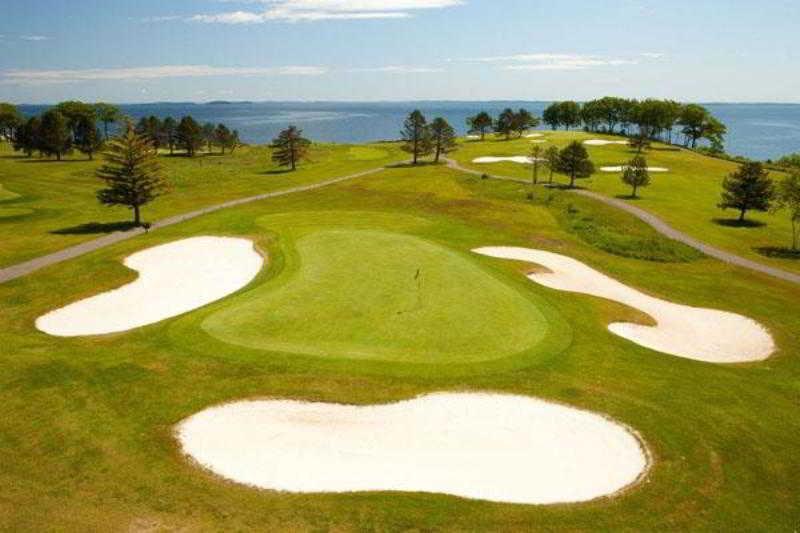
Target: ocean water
[{"x": 759, "y": 131}]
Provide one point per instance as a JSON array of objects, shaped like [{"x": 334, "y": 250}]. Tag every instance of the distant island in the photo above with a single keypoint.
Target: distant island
[{"x": 225, "y": 102}]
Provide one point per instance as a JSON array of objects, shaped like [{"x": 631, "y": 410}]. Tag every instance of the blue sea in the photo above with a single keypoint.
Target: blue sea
[{"x": 758, "y": 131}]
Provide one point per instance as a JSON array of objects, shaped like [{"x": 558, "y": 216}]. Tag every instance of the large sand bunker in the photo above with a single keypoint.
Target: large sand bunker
[
  {"x": 487, "y": 446},
  {"x": 534, "y": 135},
  {"x": 691, "y": 332},
  {"x": 622, "y": 168},
  {"x": 173, "y": 278},
  {"x": 521, "y": 159},
  {"x": 602, "y": 142}
]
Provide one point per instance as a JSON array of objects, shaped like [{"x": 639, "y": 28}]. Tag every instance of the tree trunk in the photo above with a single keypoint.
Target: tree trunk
[
  {"x": 741, "y": 214},
  {"x": 105, "y": 130},
  {"x": 137, "y": 221},
  {"x": 634, "y": 192},
  {"x": 58, "y": 156},
  {"x": 795, "y": 228},
  {"x": 438, "y": 152},
  {"x": 572, "y": 180}
]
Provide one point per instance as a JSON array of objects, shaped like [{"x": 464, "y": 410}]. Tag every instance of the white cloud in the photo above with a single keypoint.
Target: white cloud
[
  {"x": 34, "y": 38},
  {"x": 314, "y": 10},
  {"x": 398, "y": 69},
  {"x": 40, "y": 77},
  {"x": 550, "y": 61}
]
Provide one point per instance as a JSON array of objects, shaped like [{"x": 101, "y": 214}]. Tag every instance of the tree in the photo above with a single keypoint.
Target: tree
[
  {"x": 10, "y": 120},
  {"x": 87, "y": 137},
  {"x": 749, "y": 188},
  {"x": 290, "y": 147},
  {"x": 574, "y": 161},
  {"x": 569, "y": 114},
  {"x": 639, "y": 143},
  {"x": 592, "y": 115},
  {"x": 208, "y": 135},
  {"x": 73, "y": 111},
  {"x": 169, "y": 133},
  {"x": 551, "y": 158},
  {"x": 27, "y": 136},
  {"x": 131, "y": 173},
  {"x": 505, "y": 124},
  {"x": 234, "y": 142},
  {"x": 107, "y": 114},
  {"x": 698, "y": 123},
  {"x": 54, "y": 135},
  {"x": 552, "y": 116},
  {"x": 189, "y": 135},
  {"x": 443, "y": 137},
  {"x": 223, "y": 137},
  {"x": 523, "y": 120},
  {"x": 416, "y": 135},
  {"x": 150, "y": 127},
  {"x": 536, "y": 158},
  {"x": 788, "y": 197},
  {"x": 636, "y": 174},
  {"x": 480, "y": 124}
]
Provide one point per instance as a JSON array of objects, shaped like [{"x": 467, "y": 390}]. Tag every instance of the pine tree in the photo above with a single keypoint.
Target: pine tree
[
  {"x": 107, "y": 114},
  {"x": 636, "y": 174},
  {"x": 169, "y": 134},
  {"x": 480, "y": 124},
  {"x": 523, "y": 120},
  {"x": 574, "y": 161},
  {"x": 223, "y": 137},
  {"x": 28, "y": 135},
  {"x": 132, "y": 173},
  {"x": 290, "y": 147},
  {"x": 551, "y": 160},
  {"x": 749, "y": 188},
  {"x": 189, "y": 136},
  {"x": 54, "y": 135},
  {"x": 87, "y": 137},
  {"x": 505, "y": 123},
  {"x": 209, "y": 136},
  {"x": 417, "y": 135},
  {"x": 443, "y": 137}
]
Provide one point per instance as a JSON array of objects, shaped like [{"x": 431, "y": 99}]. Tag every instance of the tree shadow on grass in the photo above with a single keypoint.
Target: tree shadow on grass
[
  {"x": 408, "y": 164},
  {"x": 95, "y": 227},
  {"x": 779, "y": 252},
  {"x": 277, "y": 171},
  {"x": 628, "y": 197},
  {"x": 736, "y": 223}
]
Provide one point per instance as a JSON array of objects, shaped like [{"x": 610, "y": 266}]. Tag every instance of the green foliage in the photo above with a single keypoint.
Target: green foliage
[
  {"x": 189, "y": 136},
  {"x": 10, "y": 120},
  {"x": 551, "y": 157},
  {"x": 209, "y": 136},
  {"x": 574, "y": 161},
  {"x": 107, "y": 114},
  {"x": 28, "y": 136},
  {"x": 791, "y": 161},
  {"x": 788, "y": 197},
  {"x": 132, "y": 173},
  {"x": 290, "y": 147},
  {"x": 480, "y": 124},
  {"x": 150, "y": 128},
  {"x": 416, "y": 136},
  {"x": 636, "y": 174},
  {"x": 567, "y": 114},
  {"x": 443, "y": 138},
  {"x": 749, "y": 188},
  {"x": 54, "y": 135},
  {"x": 87, "y": 137},
  {"x": 169, "y": 133},
  {"x": 505, "y": 123},
  {"x": 225, "y": 138}
]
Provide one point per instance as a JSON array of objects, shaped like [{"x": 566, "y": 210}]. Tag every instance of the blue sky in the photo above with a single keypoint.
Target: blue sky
[{"x": 199, "y": 50}]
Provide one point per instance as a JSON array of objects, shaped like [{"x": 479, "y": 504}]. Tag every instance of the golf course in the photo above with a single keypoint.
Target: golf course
[{"x": 422, "y": 347}]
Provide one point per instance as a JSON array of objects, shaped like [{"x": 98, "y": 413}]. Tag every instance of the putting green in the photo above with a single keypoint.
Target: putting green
[{"x": 372, "y": 294}]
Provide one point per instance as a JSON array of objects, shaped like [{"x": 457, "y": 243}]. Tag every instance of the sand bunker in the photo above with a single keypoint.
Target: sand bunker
[
  {"x": 473, "y": 137},
  {"x": 521, "y": 159},
  {"x": 487, "y": 446},
  {"x": 691, "y": 332},
  {"x": 622, "y": 168},
  {"x": 533, "y": 135},
  {"x": 538, "y": 141},
  {"x": 173, "y": 278},
  {"x": 602, "y": 142}
]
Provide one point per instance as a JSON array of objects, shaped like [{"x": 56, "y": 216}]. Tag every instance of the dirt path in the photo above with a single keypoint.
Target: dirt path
[
  {"x": 22, "y": 269},
  {"x": 662, "y": 227}
]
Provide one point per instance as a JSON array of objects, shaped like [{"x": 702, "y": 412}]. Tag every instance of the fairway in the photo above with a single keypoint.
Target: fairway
[{"x": 367, "y": 294}]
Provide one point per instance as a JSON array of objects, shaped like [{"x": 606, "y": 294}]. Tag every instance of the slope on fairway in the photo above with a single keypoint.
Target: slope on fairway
[{"x": 381, "y": 295}]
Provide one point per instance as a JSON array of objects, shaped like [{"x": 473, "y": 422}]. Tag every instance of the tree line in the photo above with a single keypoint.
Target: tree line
[
  {"x": 421, "y": 139},
  {"x": 73, "y": 125}
]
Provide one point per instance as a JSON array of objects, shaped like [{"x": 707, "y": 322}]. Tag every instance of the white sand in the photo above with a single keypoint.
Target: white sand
[
  {"x": 602, "y": 142},
  {"x": 539, "y": 141},
  {"x": 622, "y": 168},
  {"x": 173, "y": 278},
  {"x": 691, "y": 332},
  {"x": 524, "y": 160},
  {"x": 487, "y": 446},
  {"x": 533, "y": 135},
  {"x": 473, "y": 136}
]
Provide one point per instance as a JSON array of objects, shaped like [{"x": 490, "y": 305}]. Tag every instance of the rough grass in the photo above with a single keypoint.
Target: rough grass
[
  {"x": 65, "y": 210},
  {"x": 86, "y": 424},
  {"x": 686, "y": 197}
]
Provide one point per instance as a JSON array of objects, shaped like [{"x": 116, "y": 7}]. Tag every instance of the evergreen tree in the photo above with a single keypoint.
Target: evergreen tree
[
  {"x": 639, "y": 143},
  {"x": 73, "y": 111},
  {"x": 523, "y": 121},
  {"x": 480, "y": 124},
  {"x": 87, "y": 137},
  {"x": 574, "y": 161},
  {"x": 189, "y": 136},
  {"x": 416, "y": 135},
  {"x": 636, "y": 174},
  {"x": 443, "y": 137},
  {"x": 552, "y": 115},
  {"x": 536, "y": 160},
  {"x": 223, "y": 137},
  {"x": 749, "y": 188},
  {"x": 788, "y": 196},
  {"x": 551, "y": 158},
  {"x": 209, "y": 137},
  {"x": 290, "y": 147},
  {"x": 54, "y": 135},
  {"x": 107, "y": 114},
  {"x": 506, "y": 123},
  {"x": 131, "y": 173},
  {"x": 27, "y": 136},
  {"x": 169, "y": 134},
  {"x": 569, "y": 114}
]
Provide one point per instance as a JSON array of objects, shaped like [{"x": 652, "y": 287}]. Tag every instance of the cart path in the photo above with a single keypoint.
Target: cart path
[{"x": 661, "y": 227}]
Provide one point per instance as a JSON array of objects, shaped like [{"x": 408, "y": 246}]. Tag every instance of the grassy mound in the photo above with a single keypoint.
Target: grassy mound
[{"x": 380, "y": 295}]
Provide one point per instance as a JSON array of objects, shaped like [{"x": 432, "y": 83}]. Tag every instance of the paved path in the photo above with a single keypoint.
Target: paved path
[
  {"x": 22, "y": 269},
  {"x": 662, "y": 227}
]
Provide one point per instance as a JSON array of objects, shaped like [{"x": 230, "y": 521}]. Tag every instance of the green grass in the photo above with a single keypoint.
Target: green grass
[
  {"x": 374, "y": 294},
  {"x": 86, "y": 432},
  {"x": 63, "y": 210},
  {"x": 686, "y": 197}
]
